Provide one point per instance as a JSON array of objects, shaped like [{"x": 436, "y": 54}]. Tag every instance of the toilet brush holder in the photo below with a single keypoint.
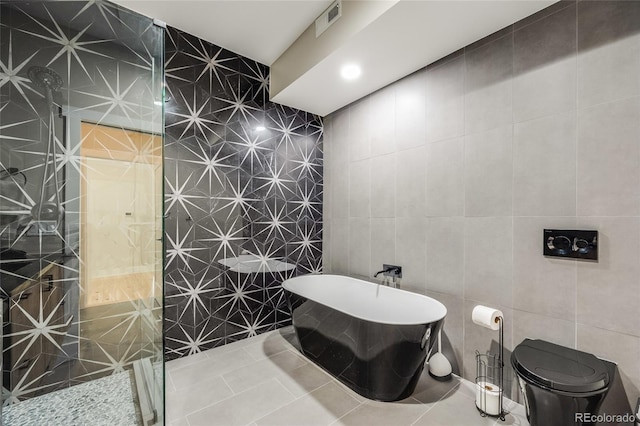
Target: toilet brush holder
[{"x": 439, "y": 366}]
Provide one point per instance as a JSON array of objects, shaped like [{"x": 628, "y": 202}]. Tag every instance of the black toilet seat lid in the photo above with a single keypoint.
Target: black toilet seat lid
[{"x": 558, "y": 367}]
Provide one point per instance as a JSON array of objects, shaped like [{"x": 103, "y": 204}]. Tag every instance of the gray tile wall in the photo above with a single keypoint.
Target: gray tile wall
[{"x": 454, "y": 171}]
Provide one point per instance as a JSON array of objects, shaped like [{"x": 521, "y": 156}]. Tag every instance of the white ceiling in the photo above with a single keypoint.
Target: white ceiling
[
  {"x": 408, "y": 36},
  {"x": 258, "y": 29},
  {"x": 405, "y": 38}
]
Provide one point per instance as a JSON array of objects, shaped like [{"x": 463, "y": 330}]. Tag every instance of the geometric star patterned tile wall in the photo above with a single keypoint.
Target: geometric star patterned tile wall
[
  {"x": 107, "y": 64},
  {"x": 243, "y": 180}
]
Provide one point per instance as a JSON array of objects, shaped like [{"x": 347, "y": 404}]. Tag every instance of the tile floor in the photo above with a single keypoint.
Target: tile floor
[{"x": 264, "y": 380}]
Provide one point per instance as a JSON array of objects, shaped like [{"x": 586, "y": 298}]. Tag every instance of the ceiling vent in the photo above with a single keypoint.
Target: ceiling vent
[{"x": 328, "y": 17}]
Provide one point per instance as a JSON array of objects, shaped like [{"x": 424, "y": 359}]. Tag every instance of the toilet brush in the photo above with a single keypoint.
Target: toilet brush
[{"x": 439, "y": 365}]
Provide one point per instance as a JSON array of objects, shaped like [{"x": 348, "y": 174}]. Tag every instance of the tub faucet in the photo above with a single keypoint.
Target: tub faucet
[{"x": 390, "y": 270}]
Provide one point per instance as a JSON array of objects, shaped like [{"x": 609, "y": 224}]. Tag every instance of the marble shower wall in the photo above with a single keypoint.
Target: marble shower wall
[{"x": 243, "y": 176}]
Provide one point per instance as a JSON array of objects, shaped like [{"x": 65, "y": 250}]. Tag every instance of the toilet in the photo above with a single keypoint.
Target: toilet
[{"x": 561, "y": 386}]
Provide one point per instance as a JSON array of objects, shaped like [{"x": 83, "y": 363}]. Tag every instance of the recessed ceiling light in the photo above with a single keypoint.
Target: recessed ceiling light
[
  {"x": 350, "y": 71},
  {"x": 260, "y": 128}
]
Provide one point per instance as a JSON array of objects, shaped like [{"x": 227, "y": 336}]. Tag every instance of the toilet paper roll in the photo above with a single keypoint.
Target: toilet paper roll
[
  {"x": 488, "y": 398},
  {"x": 486, "y": 317}
]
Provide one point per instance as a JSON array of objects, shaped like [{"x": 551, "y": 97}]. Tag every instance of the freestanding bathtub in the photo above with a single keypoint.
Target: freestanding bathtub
[{"x": 373, "y": 338}]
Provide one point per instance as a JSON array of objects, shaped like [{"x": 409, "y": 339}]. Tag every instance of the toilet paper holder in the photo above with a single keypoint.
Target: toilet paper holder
[
  {"x": 489, "y": 390},
  {"x": 490, "y": 367}
]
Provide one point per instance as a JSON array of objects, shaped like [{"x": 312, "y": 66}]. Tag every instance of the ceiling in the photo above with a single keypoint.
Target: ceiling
[
  {"x": 403, "y": 38},
  {"x": 406, "y": 36},
  {"x": 258, "y": 29}
]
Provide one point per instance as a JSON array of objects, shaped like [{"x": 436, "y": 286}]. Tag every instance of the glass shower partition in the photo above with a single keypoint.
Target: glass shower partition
[{"x": 81, "y": 273}]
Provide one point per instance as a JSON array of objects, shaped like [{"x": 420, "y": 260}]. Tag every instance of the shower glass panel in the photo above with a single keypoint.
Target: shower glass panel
[{"x": 81, "y": 282}]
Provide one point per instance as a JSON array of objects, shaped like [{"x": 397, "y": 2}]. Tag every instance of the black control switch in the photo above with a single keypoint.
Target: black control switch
[{"x": 576, "y": 244}]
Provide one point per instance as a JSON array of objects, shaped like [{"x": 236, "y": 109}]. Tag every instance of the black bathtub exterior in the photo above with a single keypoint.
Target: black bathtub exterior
[{"x": 378, "y": 361}]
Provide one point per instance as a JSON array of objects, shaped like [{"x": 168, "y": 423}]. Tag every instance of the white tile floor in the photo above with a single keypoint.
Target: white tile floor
[{"x": 266, "y": 381}]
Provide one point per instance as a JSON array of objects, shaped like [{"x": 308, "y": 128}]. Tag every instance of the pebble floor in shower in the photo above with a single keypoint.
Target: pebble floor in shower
[
  {"x": 264, "y": 380},
  {"x": 103, "y": 402}
]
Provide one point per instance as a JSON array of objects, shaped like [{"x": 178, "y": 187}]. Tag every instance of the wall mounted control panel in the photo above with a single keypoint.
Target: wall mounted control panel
[{"x": 577, "y": 244}]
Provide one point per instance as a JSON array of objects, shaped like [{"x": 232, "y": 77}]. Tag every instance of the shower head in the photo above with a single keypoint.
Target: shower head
[
  {"x": 48, "y": 215},
  {"x": 45, "y": 78}
]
